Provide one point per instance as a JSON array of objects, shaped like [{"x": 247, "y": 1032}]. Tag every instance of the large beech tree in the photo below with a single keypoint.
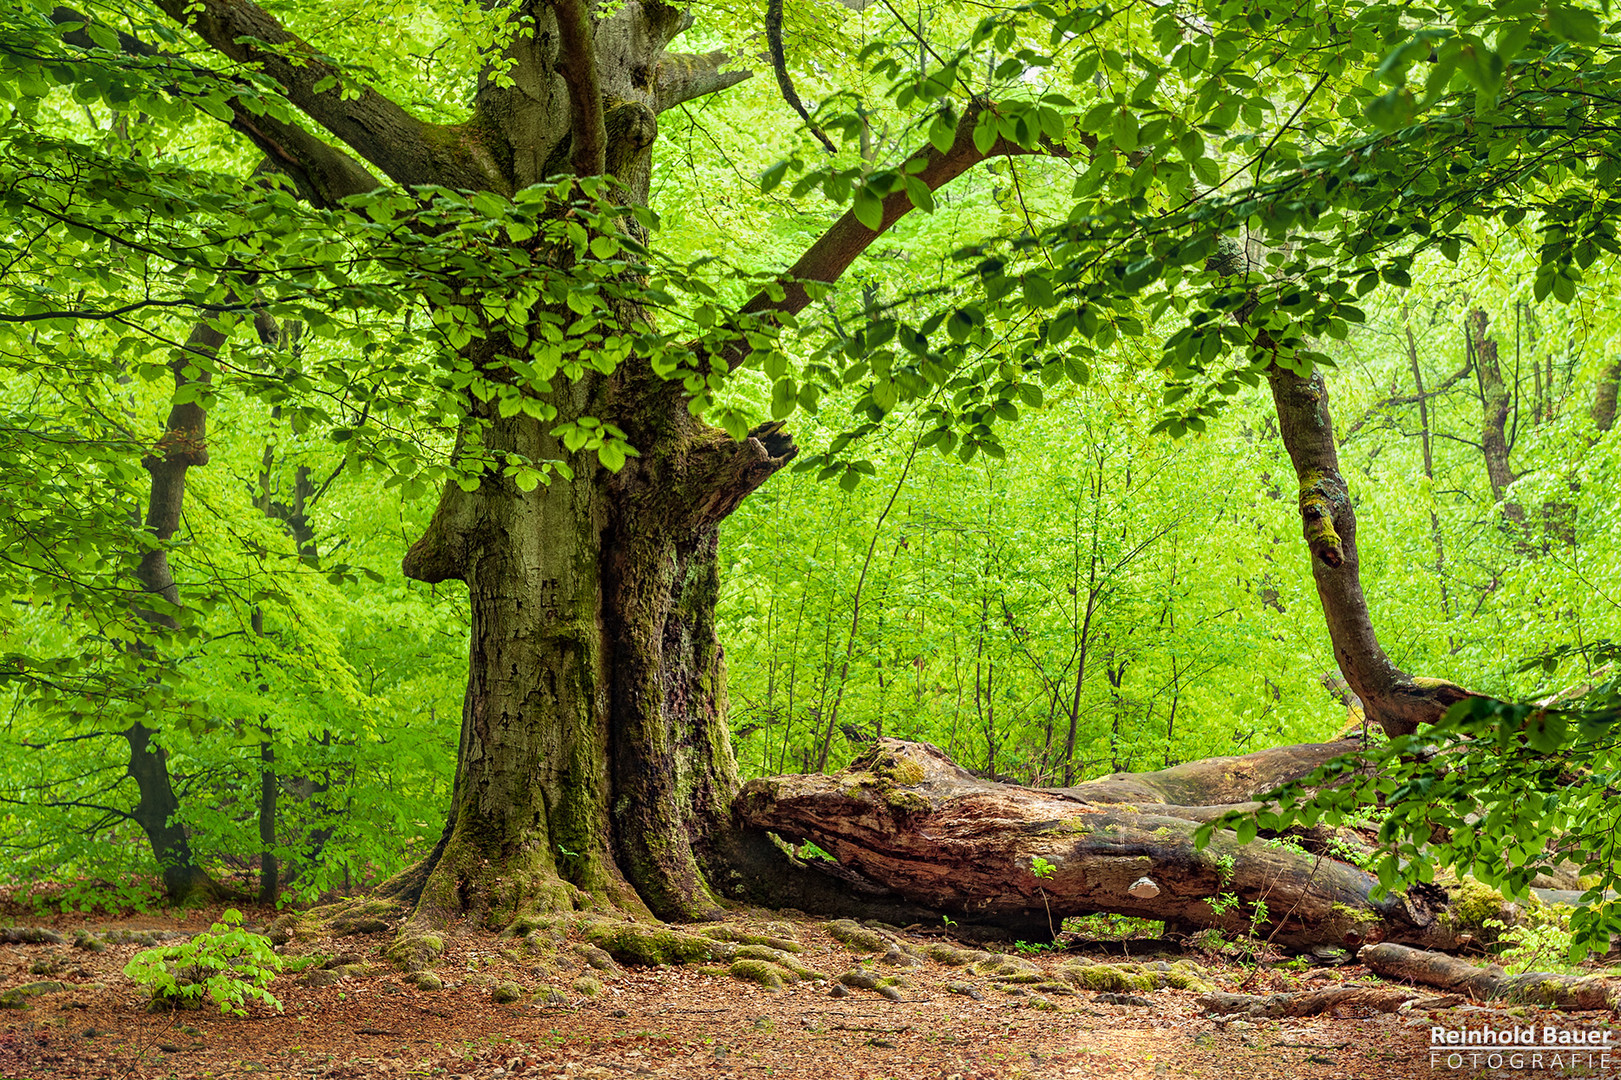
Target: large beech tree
[{"x": 582, "y": 510}]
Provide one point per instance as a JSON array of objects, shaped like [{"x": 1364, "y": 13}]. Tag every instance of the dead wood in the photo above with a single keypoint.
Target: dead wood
[
  {"x": 1490, "y": 983},
  {"x": 908, "y": 818}
]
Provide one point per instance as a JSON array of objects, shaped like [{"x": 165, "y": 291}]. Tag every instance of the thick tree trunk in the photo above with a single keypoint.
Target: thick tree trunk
[{"x": 908, "y": 818}]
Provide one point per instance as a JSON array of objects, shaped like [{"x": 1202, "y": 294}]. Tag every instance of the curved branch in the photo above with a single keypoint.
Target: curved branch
[
  {"x": 407, "y": 149},
  {"x": 323, "y": 174},
  {"x": 577, "y": 63},
  {"x": 785, "y": 82}
]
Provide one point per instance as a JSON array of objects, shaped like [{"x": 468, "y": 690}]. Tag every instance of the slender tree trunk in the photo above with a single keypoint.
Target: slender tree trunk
[
  {"x": 183, "y": 445},
  {"x": 1397, "y": 701},
  {"x": 1429, "y": 461},
  {"x": 1494, "y": 413},
  {"x": 1604, "y": 398}
]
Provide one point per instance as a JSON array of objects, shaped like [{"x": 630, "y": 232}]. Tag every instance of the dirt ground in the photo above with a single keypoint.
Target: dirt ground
[{"x": 681, "y": 1022}]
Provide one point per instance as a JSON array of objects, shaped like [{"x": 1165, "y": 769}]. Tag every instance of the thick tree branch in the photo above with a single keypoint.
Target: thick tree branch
[
  {"x": 323, "y": 174},
  {"x": 400, "y": 145},
  {"x": 577, "y": 63},
  {"x": 831, "y": 255},
  {"x": 682, "y": 77}
]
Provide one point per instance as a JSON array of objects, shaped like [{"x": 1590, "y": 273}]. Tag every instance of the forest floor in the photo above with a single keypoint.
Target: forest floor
[{"x": 680, "y": 1022}]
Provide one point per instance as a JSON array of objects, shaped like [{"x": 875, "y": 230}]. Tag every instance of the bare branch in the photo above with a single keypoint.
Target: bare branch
[
  {"x": 831, "y": 255},
  {"x": 682, "y": 77},
  {"x": 577, "y": 63},
  {"x": 785, "y": 82}
]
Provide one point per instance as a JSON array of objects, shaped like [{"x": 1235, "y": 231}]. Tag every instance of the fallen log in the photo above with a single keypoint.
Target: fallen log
[
  {"x": 1491, "y": 983},
  {"x": 1220, "y": 783},
  {"x": 908, "y": 818},
  {"x": 1305, "y": 1002}
]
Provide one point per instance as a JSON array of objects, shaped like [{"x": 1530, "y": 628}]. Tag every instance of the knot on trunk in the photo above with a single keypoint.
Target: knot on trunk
[{"x": 1317, "y": 517}]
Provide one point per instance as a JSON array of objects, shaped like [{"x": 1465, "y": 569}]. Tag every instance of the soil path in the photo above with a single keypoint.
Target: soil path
[{"x": 681, "y": 1022}]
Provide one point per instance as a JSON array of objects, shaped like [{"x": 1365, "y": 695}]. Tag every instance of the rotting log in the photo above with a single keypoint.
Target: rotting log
[
  {"x": 1491, "y": 983},
  {"x": 908, "y": 818}
]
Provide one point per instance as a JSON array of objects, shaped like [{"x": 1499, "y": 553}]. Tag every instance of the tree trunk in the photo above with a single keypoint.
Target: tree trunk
[
  {"x": 156, "y": 811},
  {"x": 1604, "y": 398},
  {"x": 1494, "y": 411},
  {"x": 1397, "y": 701},
  {"x": 184, "y": 443},
  {"x": 905, "y": 816}
]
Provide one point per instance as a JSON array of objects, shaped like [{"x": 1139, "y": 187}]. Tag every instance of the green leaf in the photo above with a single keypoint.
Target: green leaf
[
  {"x": 869, "y": 210},
  {"x": 985, "y": 131}
]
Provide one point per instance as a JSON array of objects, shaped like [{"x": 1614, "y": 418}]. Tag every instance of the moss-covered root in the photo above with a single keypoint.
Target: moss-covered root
[
  {"x": 874, "y": 937},
  {"x": 415, "y": 952},
  {"x": 365, "y": 915},
  {"x": 653, "y": 945},
  {"x": 1127, "y": 978}
]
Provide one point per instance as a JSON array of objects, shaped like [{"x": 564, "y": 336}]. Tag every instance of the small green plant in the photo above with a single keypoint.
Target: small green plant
[
  {"x": 1044, "y": 870},
  {"x": 1540, "y": 943},
  {"x": 228, "y": 964},
  {"x": 808, "y": 850},
  {"x": 1030, "y": 948}
]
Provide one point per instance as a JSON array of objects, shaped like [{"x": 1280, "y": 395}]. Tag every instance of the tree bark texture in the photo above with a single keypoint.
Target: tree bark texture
[{"x": 905, "y": 816}]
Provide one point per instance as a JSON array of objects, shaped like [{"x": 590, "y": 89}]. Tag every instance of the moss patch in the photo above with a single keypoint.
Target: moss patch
[
  {"x": 856, "y": 936},
  {"x": 762, "y": 972},
  {"x": 1125, "y": 978},
  {"x": 654, "y": 946},
  {"x": 1470, "y": 904}
]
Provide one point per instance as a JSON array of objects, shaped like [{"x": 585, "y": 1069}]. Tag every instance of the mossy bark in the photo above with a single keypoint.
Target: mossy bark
[{"x": 972, "y": 849}]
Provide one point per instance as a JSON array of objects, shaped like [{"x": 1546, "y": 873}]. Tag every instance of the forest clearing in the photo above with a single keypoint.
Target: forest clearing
[{"x": 899, "y": 539}]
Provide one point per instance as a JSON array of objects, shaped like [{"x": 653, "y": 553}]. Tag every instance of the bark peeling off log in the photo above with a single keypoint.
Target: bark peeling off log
[{"x": 909, "y": 818}]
